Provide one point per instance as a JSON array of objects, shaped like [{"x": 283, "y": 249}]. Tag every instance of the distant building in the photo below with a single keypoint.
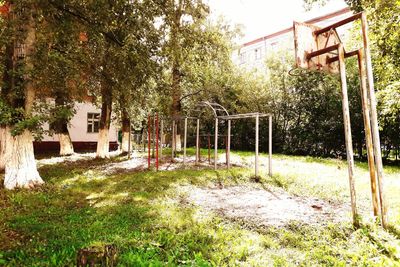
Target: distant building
[
  {"x": 252, "y": 55},
  {"x": 83, "y": 130}
]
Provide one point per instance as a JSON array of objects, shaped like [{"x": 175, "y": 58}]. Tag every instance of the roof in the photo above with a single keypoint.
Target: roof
[{"x": 311, "y": 21}]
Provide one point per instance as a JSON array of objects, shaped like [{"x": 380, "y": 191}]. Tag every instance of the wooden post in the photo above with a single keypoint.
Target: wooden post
[
  {"x": 162, "y": 137},
  {"x": 347, "y": 132},
  {"x": 256, "y": 148},
  {"x": 209, "y": 148},
  {"x": 148, "y": 142},
  {"x": 157, "y": 143},
  {"x": 228, "y": 159},
  {"x": 216, "y": 145},
  {"x": 197, "y": 140},
  {"x": 184, "y": 142},
  {"x": 173, "y": 141},
  {"x": 270, "y": 145},
  {"x": 367, "y": 129},
  {"x": 374, "y": 122}
]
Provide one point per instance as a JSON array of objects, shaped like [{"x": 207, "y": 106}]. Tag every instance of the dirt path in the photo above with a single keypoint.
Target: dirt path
[{"x": 266, "y": 207}]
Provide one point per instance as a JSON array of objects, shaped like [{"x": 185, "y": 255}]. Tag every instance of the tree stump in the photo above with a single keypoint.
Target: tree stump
[{"x": 104, "y": 256}]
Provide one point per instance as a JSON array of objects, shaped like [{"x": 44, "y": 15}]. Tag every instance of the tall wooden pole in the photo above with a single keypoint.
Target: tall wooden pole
[
  {"x": 228, "y": 159},
  {"x": 367, "y": 129},
  {"x": 374, "y": 122},
  {"x": 256, "y": 146},
  {"x": 184, "y": 142},
  {"x": 197, "y": 140},
  {"x": 216, "y": 144},
  {"x": 347, "y": 132},
  {"x": 270, "y": 145}
]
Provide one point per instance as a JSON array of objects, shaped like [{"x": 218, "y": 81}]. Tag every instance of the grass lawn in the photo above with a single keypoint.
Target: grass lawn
[{"x": 144, "y": 213}]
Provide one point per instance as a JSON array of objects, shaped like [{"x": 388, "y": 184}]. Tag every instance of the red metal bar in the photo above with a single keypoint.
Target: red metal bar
[
  {"x": 322, "y": 51},
  {"x": 338, "y": 24},
  {"x": 157, "y": 136},
  {"x": 148, "y": 141},
  {"x": 346, "y": 55}
]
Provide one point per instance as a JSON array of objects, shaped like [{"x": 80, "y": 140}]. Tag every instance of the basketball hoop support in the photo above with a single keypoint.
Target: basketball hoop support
[{"x": 305, "y": 57}]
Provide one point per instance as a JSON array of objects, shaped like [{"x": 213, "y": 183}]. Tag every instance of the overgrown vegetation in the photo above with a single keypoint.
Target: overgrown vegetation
[{"x": 145, "y": 214}]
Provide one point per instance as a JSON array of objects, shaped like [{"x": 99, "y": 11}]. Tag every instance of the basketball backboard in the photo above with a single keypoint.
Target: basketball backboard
[{"x": 305, "y": 42}]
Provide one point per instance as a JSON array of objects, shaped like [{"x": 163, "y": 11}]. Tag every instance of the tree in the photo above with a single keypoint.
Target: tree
[{"x": 18, "y": 95}]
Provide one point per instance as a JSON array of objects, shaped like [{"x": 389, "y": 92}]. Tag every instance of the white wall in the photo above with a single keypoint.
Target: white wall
[{"x": 78, "y": 126}]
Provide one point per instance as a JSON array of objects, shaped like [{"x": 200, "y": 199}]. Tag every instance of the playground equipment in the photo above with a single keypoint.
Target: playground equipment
[
  {"x": 321, "y": 49},
  {"x": 219, "y": 113}
]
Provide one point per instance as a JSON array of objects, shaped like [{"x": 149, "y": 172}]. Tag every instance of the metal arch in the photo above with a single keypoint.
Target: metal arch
[{"x": 215, "y": 107}]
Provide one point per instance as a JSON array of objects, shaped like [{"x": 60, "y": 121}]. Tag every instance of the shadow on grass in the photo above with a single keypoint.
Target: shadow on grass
[{"x": 140, "y": 213}]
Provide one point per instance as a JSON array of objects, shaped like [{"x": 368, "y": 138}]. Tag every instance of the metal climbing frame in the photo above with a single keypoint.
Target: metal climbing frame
[{"x": 220, "y": 113}]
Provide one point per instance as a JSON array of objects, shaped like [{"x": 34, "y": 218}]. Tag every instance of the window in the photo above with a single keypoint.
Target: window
[
  {"x": 257, "y": 53},
  {"x": 242, "y": 58},
  {"x": 93, "y": 122}
]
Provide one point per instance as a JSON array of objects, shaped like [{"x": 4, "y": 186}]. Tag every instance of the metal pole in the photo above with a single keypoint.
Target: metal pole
[
  {"x": 270, "y": 145},
  {"x": 347, "y": 132},
  {"x": 129, "y": 142},
  {"x": 184, "y": 142},
  {"x": 216, "y": 144},
  {"x": 197, "y": 140},
  {"x": 228, "y": 159},
  {"x": 153, "y": 136},
  {"x": 173, "y": 142},
  {"x": 161, "y": 139},
  {"x": 256, "y": 148},
  {"x": 157, "y": 136},
  {"x": 148, "y": 142},
  {"x": 374, "y": 122},
  {"x": 209, "y": 149},
  {"x": 367, "y": 129}
]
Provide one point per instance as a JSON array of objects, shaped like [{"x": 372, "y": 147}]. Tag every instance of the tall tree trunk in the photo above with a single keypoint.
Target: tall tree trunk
[
  {"x": 2, "y": 147},
  {"x": 66, "y": 146},
  {"x": 103, "y": 144},
  {"x": 60, "y": 127},
  {"x": 20, "y": 167},
  {"x": 126, "y": 125}
]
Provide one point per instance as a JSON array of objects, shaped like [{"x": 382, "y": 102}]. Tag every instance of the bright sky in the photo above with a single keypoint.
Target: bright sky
[{"x": 262, "y": 17}]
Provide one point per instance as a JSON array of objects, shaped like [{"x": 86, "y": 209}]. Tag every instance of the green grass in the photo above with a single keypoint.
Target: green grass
[{"x": 143, "y": 214}]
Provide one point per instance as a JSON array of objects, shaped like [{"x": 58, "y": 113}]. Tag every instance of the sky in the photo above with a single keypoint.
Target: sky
[{"x": 262, "y": 17}]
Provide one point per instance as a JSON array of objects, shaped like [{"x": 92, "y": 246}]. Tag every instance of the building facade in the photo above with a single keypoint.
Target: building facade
[
  {"x": 252, "y": 55},
  {"x": 83, "y": 130}
]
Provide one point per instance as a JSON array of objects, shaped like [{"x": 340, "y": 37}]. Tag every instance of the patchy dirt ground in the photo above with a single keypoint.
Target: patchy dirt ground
[
  {"x": 271, "y": 207},
  {"x": 261, "y": 206}
]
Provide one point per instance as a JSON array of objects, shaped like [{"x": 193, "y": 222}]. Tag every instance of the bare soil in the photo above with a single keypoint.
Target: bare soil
[{"x": 266, "y": 207}]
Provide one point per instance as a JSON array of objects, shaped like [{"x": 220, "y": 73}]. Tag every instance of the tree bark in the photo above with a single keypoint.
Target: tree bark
[
  {"x": 103, "y": 145},
  {"x": 66, "y": 146},
  {"x": 21, "y": 169},
  {"x": 126, "y": 125}
]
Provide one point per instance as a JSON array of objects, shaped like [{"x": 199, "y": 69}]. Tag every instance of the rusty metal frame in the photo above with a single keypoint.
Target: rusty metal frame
[{"x": 369, "y": 113}]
